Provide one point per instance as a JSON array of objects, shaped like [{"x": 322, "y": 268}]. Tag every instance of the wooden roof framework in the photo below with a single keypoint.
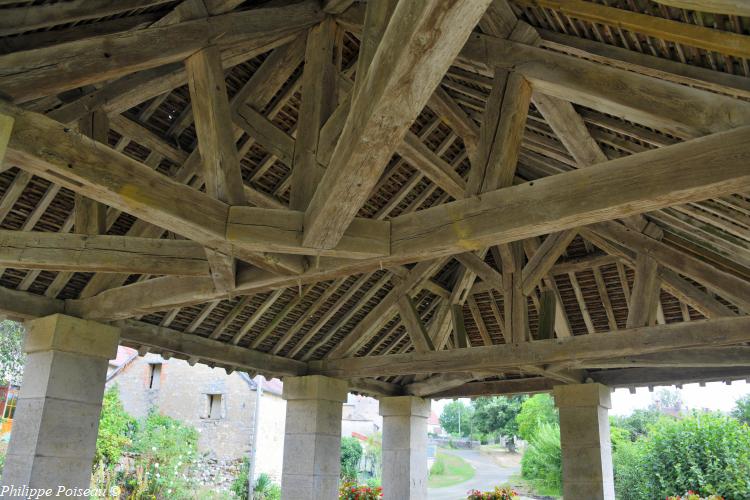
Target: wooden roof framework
[{"x": 442, "y": 198}]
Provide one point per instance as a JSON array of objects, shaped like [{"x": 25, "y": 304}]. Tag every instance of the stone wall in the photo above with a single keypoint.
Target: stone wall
[{"x": 182, "y": 394}]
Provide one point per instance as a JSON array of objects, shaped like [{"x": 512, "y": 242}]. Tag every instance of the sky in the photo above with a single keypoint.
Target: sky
[{"x": 714, "y": 396}]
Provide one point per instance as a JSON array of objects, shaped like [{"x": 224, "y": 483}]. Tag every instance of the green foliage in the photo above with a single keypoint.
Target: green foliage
[
  {"x": 239, "y": 485},
  {"x": 265, "y": 488},
  {"x": 11, "y": 352},
  {"x": 2, "y": 463},
  {"x": 352, "y": 491},
  {"x": 541, "y": 465},
  {"x": 535, "y": 411},
  {"x": 497, "y": 494},
  {"x": 741, "y": 409},
  {"x": 438, "y": 467},
  {"x": 351, "y": 454},
  {"x": 497, "y": 415},
  {"x": 166, "y": 450},
  {"x": 116, "y": 429},
  {"x": 666, "y": 399},
  {"x": 373, "y": 453},
  {"x": 705, "y": 452},
  {"x": 454, "y": 470},
  {"x": 453, "y": 413},
  {"x": 638, "y": 423},
  {"x": 629, "y": 468}
]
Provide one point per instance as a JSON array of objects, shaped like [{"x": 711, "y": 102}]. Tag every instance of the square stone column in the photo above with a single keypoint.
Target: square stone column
[
  {"x": 404, "y": 447},
  {"x": 57, "y": 416},
  {"x": 584, "y": 436},
  {"x": 312, "y": 437}
]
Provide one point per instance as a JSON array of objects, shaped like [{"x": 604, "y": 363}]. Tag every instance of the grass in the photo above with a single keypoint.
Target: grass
[
  {"x": 526, "y": 487},
  {"x": 449, "y": 470}
]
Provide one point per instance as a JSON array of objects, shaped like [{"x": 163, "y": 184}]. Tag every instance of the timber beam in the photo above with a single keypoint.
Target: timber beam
[
  {"x": 710, "y": 166},
  {"x": 45, "y": 71},
  {"x": 500, "y": 358},
  {"x": 208, "y": 350},
  {"x": 105, "y": 254}
]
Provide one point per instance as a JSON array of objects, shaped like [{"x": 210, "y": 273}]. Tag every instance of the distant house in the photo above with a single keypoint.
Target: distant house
[
  {"x": 360, "y": 417},
  {"x": 433, "y": 425},
  {"x": 221, "y": 407}
]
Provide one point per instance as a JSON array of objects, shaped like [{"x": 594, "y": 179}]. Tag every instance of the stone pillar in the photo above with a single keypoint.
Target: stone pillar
[
  {"x": 312, "y": 437},
  {"x": 584, "y": 436},
  {"x": 57, "y": 417},
  {"x": 404, "y": 447}
]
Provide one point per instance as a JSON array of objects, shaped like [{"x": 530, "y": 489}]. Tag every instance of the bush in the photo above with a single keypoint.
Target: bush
[
  {"x": 705, "y": 452},
  {"x": 165, "y": 450},
  {"x": 535, "y": 411},
  {"x": 496, "y": 494},
  {"x": 116, "y": 429},
  {"x": 541, "y": 465},
  {"x": 351, "y": 454},
  {"x": 352, "y": 491},
  {"x": 629, "y": 468},
  {"x": 438, "y": 467}
]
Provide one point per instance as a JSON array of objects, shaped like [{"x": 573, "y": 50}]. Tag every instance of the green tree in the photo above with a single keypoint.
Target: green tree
[
  {"x": 116, "y": 429},
  {"x": 741, "y": 409},
  {"x": 497, "y": 415},
  {"x": 638, "y": 422},
  {"x": 351, "y": 454},
  {"x": 11, "y": 352},
  {"x": 535, "y": 411},
  {"x": 541, "y": 464},
  {"x": 456, "y": 415},
  {"x": 666, "y": 399}
]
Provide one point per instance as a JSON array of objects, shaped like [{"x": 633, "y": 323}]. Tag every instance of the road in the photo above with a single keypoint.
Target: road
[{"x": 488, "y": 475}]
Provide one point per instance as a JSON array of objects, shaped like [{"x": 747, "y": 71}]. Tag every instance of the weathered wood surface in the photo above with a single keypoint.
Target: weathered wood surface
[
  {"x": 46, "y": 71},
  {"x": 419, "y": 44},
  {"x": 109, "y": 254},
  {"x": 710, "y": 166},
  {"x": 281, "y": 231},
  {"x": 638, "y": 98},
  {"x": 166, "y": 339},
  {"x": 729, "y": 7},
  {"x": 724, "y": 42},
  {"x": 647, "y": 340}
]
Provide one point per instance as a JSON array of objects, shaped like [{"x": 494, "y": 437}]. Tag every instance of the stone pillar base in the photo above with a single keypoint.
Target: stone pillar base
[
  {"x": 57, "y": 414},
  {"x": 404, "y": 447},
  {"x": 312, "y": 437}
]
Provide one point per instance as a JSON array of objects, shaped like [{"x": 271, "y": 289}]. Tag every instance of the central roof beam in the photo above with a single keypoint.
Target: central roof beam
[
  {"x": 418, "y": 46},
  {"x": 709, "y": 167}
]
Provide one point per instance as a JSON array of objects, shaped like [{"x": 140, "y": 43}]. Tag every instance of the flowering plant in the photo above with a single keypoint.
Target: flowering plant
[
  {"x": 691, "y": 495},
  {"x": 496, "y": 494},
  {"x": 354, "y": 491}
]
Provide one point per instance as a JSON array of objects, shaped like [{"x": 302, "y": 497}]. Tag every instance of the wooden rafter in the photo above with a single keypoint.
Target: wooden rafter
[{"x": 98, "y": 59}]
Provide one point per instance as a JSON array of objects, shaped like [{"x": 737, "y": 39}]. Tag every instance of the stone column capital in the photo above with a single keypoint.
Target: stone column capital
[
  {"x": 315, "y": 387},
  {"x": 404, "y": 406},
  {"x": 62, "y": 333},
  {"x": 582, "y": 395}
]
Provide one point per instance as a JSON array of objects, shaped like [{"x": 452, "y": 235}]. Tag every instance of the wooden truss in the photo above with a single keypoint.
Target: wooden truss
[{"x": 445, "y": 198}]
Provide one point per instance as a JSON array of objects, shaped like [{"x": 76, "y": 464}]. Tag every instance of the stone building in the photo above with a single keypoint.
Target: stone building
[{"x": 221, "y": 406}]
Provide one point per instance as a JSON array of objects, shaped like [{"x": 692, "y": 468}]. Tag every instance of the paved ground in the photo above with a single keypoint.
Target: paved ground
[{"x": 488, "y": 475}]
